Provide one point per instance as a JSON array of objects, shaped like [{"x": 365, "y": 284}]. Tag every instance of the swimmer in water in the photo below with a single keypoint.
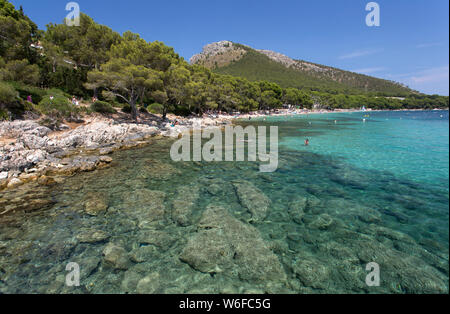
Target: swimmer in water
[{"x": 307, "y": 142}]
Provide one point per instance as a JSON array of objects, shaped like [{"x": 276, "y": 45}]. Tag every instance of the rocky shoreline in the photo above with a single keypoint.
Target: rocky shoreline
[{"x": 30, "y": 152}]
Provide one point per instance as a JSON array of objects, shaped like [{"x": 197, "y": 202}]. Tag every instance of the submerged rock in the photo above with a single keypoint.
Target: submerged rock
[
  {"x": 369, "y": 216},
  {"x": 311, "y": 272},
  {"x": 14, "y": 182},
  {"x": 160, "y": 239},
  {"x": 158, "y": 170},
  {"x": 350, "y": 177},
  {"x": 297, "y": 208},
  {"x": 182, "y": 206},
  {"x": 44, "y": 180},
  {"x": 37, "y": 204},
  {"x": 58, "y": 251},
  {"x": 253, "y": 199},
  {"x": 105, "y": 159},
  {"x": 130, "y": 281},
  {"x": 147, "y": 206},
  {"x": 149, "y": 285},
  {"x": 3, "y": 184},
  {"x": 143, "y": 253},
  {"x": 95, "y": 204},
  {"x": 116, "y": 257},
  {"x": 224, "y": 244},
  {"x": 89, "y": 265},
  {"x": 92, "y": 236},
  {"x": 322, "y": 222},
  {"x": 214, "y": 189},
  {"x": 402, "y": 272},
  {"x": 313, "y": 202}
]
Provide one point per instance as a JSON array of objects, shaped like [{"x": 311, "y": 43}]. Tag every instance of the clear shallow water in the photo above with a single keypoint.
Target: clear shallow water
[
  {"x": 412, "y": 144},
  {"x": 361, "y": 192}
]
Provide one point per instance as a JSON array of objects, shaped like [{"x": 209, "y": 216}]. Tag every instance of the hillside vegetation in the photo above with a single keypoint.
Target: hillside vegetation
[
  {"x": 257, "y": 65},
  {"x": 40, "y": 71}
]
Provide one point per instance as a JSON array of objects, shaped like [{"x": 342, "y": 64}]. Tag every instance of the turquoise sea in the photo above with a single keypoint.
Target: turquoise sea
[{"x": 363, "y": 191}]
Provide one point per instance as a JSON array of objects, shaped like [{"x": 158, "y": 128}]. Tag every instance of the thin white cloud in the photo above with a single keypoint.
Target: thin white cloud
[
  {"x": 433, "y": 80},
  {"x": 431, "y": 75},
  {"x": 428, "y": 45},
  {"x": 369, "y": 70},
  {"x": 359, "y": 53}
]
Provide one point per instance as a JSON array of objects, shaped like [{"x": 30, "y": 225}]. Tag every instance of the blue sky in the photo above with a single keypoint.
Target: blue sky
[{"x": 410, "y": 46}]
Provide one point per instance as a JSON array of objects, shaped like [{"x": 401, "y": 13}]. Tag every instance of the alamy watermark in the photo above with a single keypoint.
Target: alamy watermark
[
  {"x": 373, "y": 18},
  {"x": 73, "y": 277},
  {"x": 219, "y": 148},
  {"x": 73, "y": 18},
  {"x": 373, "y": 278}
]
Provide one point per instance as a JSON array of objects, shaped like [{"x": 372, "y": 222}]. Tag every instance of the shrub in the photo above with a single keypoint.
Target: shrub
[
  {"x": 181, "y": 111},
  {"x": 59, "y": 106},
  {"x": 10, "y": 103},
  {"x": 4, "y": 114},
  {"x": 36, "y": 93},
  {"x": 102, "y": 107},
  {"x": 21, "y": 70},
  {"x": 155, "y": 108},
  {"x": 56, "y": 91},
  {"x": 8, "y": 95}
]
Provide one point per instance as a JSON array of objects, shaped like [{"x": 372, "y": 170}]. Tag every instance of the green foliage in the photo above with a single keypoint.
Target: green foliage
[
  {"x": 3, "y": 114},
  {"x": 181, "y": 111},
  {"x": 120, "y": 78},
  {"x": 8, "y": 94},
  {"x": 102, "y": 107},
  {"x": 256, "y": 66},
  {"x": 155, "y": 108},
  {"x": 92, "y": 60},
  {"x": 17, "y": 32},
  {"x": 295, "y": 97},
  {"x": 21, "y": 71},
  {"x": 419, "y": 101},
  {"x": 36, "y": 93},
  {"x": 58, "y": 107},
  {"x": 10, "y": 101},
  {"x": 87, "y": 45}
]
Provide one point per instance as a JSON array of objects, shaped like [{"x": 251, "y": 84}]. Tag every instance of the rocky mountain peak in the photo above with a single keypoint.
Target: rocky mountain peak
[
  {"x": 218, "y": 54},
  {"x": 278, "y": 57},
  {"x": 212, "y": 49}
]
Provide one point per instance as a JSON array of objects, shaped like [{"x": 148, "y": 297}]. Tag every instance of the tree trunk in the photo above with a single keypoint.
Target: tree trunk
[
  {"x": 164, "y": 113},
  {"x": 134, "y": 113}
]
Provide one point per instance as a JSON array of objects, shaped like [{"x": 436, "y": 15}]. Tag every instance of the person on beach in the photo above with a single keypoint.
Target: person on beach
[{"x": 307, "y": 142}]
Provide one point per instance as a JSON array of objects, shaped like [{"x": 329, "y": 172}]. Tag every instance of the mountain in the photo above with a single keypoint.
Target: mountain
[{"x": 226, "y": 57}]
